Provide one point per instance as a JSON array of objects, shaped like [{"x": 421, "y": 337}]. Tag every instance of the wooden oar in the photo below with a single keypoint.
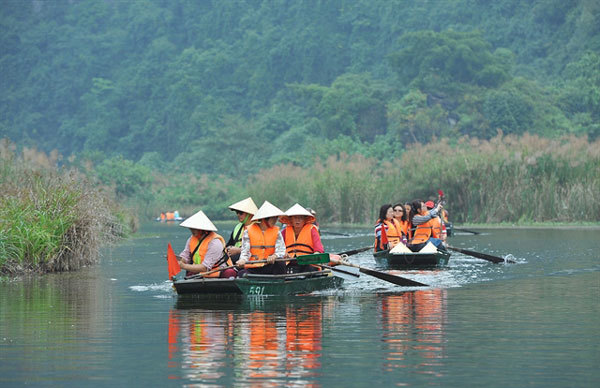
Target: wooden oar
[
  {"x": 346, "y": 254},
  {"x": 479, "y": 255},
  {"x": 315, "y": 258},
  {"x": 398, "y": 280},
  {"x": 339, "y": 270},
  {"x": 355, "y": 251}
]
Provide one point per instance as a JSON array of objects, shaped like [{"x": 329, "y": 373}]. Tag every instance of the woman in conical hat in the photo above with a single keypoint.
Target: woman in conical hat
[
  {"x": 204, "y": 249},
  {"x": 301, "y": 236},
  {"x": 262, "y": 241},
  {"x": 245, "y": 210}
]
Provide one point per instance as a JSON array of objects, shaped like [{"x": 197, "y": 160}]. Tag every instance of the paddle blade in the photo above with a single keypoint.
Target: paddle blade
[
  {"x": 315, "y": 258},
  {"x": 392, "y": 278},
  {"x": 172, "y": 264},
  {"x": 479, "y": 255}
]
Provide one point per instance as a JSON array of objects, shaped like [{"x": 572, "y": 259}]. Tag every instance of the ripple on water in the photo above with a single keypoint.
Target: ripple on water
[{"x": 166, "y": 286}]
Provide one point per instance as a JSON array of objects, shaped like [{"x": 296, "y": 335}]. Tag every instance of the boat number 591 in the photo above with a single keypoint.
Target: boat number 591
[{"x": 256, "y": 290}]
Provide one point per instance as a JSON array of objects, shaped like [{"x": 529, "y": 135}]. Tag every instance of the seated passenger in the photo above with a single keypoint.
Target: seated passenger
[
  {"x": 386, "y": 234},
  {"x": 401, "y": 221},
  {"x": 262, "y": 241},
  {"x": 245, "y": 210},
  {"x": 204, "y": 249},
  {"x": 437, "y": 227},
  {"x": 421, "y": 220},
  {"x": 301, "y": 237}
]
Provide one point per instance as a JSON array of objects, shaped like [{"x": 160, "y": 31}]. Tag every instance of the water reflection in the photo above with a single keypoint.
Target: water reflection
[
  {"x": 248, "y": 342},
  {"x": 414, "y": 321}
]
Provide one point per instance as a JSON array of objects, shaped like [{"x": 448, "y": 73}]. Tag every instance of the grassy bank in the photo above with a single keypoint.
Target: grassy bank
[
  {"x": 51, "y": 219},
  {"x": 507, "y": 179}
]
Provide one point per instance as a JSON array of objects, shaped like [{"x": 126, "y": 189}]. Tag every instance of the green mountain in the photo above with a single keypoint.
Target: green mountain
[{"x": 231, "y": 87}]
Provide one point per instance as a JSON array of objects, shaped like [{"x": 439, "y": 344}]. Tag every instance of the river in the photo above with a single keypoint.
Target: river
[{"x": 533, "y": 323}]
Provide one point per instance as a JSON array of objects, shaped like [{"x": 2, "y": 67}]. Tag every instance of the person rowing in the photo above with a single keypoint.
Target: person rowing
[
  {"x": 245, "y": 210},
  {"x": 262, "y": 241},
  {"x": 301, "y": 237},
  {"x": 421, "y": 220},
  {"x": 203, "y": 250}
]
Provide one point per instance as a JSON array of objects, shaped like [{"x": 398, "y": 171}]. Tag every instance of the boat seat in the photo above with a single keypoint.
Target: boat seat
[
  {"x": 428, "y": 248},
  {"x": 400, "y": 248}
]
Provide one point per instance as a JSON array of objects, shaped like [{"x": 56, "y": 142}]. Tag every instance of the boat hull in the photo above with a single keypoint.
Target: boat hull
[
  {"x": 413, "y": 259},
  {"x": 289, "y": 284},
  {"x": 206, "y": 286}
]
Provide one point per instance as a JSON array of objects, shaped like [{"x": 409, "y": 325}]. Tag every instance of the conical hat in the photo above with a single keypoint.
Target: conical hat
[
  {"x": 245, "y": 205},
  {"x": 199, "y": 221},
  {"x": 297, "y": 210},
  {"x": 267, "y": 210}
]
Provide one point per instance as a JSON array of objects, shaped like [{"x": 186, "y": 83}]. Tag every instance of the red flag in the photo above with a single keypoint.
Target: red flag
[
  {"x": 172, "y": 263},
  {"x": 384, "y": 239}
]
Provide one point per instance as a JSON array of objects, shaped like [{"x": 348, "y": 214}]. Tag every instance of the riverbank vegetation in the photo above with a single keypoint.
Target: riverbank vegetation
[
  {"x": 505, "y": 179},
  {"x": 52, "y": 219}
]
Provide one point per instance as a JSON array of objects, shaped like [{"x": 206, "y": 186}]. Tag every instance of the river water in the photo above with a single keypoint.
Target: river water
[{"x": 533, "y": 323}]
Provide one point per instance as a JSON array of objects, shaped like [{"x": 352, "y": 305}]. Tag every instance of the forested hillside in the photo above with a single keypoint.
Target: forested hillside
[{"x": 233, "y": 87}]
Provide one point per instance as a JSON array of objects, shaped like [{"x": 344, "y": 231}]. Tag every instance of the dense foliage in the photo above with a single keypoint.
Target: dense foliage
[
  {"x": 178, "y": 102},
  {"x": 51, "y": 220},
  {"x": 205, "y": 80}
]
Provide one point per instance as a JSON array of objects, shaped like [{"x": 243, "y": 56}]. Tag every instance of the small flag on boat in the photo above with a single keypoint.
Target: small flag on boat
[
  {"x": 384, "y": 239},
  {"x": 172, "y": 264}
]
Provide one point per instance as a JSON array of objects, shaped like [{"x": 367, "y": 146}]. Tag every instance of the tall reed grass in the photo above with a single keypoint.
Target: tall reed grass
[
  {"x": 506, "y": 179},
  {"x": 50, "y": 219}
]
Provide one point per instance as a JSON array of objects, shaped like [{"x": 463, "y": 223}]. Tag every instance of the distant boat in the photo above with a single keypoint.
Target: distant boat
[{"x": 429, "y": 256}]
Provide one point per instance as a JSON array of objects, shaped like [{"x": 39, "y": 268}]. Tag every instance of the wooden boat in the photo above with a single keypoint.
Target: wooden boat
[
  {"x": 412, "y": 259},
  {"x": 206, "y": 286},
  {"x": 252, "y": 284},
  {"x": 288, "y": 284}
]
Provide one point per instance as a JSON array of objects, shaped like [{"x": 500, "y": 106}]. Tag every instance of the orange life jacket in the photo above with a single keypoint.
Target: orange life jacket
[
  {"x": 200, "y": 253},
  {"x": 404, "y": 226},
  {"x": 170, "y": 216},
  {"x": 422, "y": 232},
  {"x": 394, "y": 231},
  {"x": 162, "y": 216},
  {"x": 436, "y": 227},
  {"x": 303, "y": 245},
  {"x": 262, "y": 243}
]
